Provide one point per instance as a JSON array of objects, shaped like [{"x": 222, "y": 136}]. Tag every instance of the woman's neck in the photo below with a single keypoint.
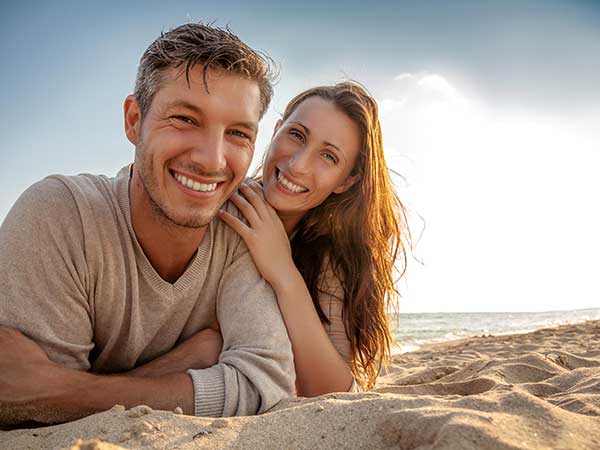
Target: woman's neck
[{"x": 290, "y": 221}]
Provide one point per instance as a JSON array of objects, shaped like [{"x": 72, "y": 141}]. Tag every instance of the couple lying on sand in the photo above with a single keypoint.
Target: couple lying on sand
[{"x": 178, "y": 283}]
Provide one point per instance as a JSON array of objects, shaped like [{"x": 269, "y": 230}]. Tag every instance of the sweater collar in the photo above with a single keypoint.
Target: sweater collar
[{"x": 194, "y": 273}]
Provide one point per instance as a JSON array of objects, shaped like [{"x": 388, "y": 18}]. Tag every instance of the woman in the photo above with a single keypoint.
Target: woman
[{"x": 325, "y": 231}]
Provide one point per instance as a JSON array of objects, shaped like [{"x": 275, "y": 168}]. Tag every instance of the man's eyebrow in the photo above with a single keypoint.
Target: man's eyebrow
[
  {"x": 183, "y": 104},
  {"x": 249, "y": 125},
  {"x": 187, "y": 105}
]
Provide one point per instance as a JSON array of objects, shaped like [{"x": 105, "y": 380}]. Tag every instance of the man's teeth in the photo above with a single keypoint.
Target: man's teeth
[
  {"x": 196, "y": 186},
  {"x": 288, "y": 184}
]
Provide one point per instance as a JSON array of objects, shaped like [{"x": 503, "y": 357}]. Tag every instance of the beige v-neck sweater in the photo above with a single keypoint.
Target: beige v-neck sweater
[{"x": 74, "y": 278}]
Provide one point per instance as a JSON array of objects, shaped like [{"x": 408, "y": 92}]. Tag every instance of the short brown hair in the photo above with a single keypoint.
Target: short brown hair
[{"x": 213, "y": 47}]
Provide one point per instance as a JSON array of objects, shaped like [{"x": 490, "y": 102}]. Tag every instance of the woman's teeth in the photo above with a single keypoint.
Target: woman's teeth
[
  {"x": 289, "y": 185},
  {"x": 196, "y": 186}
]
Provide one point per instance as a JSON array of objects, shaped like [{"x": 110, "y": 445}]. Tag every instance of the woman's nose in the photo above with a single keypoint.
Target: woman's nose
[{"x": 299, "y": 161}]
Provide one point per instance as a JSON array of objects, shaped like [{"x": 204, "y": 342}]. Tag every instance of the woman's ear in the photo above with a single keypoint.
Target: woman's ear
[
  {"x": 133, "y": 119},
  {"x": 277, "y": 126},
  {"x": 346, "y": 184}
]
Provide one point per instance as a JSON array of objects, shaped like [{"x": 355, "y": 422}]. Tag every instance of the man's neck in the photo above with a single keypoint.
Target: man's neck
[{"x": 168, "y": 247}]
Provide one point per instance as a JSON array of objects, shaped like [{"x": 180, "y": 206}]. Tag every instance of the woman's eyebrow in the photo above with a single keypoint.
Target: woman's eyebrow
[
  {"x": 332, "y": 145},
  {"x": 327, "y": 143},
  {"x": 306, "y": 130}
]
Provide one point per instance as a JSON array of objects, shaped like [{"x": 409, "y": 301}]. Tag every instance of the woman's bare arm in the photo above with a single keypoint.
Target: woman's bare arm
[{"x": 320, "y": 369}]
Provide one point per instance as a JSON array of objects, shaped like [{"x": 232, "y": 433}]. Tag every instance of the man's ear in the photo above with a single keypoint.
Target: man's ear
[
  {"x": 133, "y": 118},
  {"x": 277, "y": 126},
  {"x": 346, "y": 184}
]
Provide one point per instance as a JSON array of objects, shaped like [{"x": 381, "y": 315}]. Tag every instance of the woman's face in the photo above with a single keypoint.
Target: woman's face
[{"x": 311, "y": 155}]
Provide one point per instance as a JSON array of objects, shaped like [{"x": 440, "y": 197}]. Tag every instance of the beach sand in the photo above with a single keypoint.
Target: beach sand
[{"x": 539, "y": 390}]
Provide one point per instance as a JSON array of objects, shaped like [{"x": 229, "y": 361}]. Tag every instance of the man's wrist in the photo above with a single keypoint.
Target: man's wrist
[{"x": 67, "y": 394}]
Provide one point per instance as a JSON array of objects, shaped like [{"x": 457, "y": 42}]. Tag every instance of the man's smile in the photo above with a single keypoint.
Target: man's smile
[{"x": 193, "y": 184}]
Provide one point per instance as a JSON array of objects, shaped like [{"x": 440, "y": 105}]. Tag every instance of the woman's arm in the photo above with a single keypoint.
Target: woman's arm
[{"x": 320, "y": 369}]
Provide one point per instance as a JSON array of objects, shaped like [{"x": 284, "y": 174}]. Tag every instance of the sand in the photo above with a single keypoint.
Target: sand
[{"x": 533, "y": 391}]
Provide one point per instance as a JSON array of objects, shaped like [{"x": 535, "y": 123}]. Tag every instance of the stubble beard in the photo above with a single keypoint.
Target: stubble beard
[{"x": 161, "y": 211}]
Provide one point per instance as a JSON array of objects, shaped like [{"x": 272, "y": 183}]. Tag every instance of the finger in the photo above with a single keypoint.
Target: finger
[
  {"x": 236, "y": 224},
  {"x": 255, "y": 199},
  {"x": 260, "y": 191},
  {"x": 257, "y": 187},
  {"x": 247, "y": 209}
]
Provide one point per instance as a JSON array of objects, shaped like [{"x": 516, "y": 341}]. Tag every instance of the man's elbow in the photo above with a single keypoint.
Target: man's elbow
[{"x": 256, "y": 384}]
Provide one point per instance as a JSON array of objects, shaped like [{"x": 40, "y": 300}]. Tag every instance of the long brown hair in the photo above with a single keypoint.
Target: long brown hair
[{"x": 361, "y": 233}]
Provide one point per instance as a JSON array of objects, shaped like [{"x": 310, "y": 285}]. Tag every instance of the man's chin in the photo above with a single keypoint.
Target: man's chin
[
  {"x": 193, "y": 222},
  {"x": 182, "y": 219}
]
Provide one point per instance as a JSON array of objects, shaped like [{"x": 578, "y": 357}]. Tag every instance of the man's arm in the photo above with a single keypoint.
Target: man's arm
[
  {"x": 33, "y": 388},
  {"x": 199, "y": 352},
  {"x": 43, "y": 273},
  {"x": 45, "y": 296},
  {"x": 255, "y": 373},
  {"x": 256, "y": 368}
]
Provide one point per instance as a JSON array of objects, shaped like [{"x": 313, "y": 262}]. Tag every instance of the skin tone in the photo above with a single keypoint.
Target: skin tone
[
  {"x": 207, "y": 138},
  {"x": 315, "y": 150},
  {"x": 202, "y": 137}
]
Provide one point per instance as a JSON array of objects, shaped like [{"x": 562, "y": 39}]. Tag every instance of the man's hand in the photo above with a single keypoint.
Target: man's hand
[{"x": 199, "y": 352}]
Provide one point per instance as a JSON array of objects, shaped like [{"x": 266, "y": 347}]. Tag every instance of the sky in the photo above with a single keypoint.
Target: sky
[{"x": 490, "y": 112}]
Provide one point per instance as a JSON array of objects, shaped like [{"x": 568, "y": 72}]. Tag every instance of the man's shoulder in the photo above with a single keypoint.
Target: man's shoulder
[
  {"x": 61, "y": 197},
  {"x": 226, "y": 242},
  {"x": 82, "y": 185}
]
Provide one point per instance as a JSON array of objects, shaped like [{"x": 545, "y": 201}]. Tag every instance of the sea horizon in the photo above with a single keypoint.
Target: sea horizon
[{"x": 414, "y": 330}]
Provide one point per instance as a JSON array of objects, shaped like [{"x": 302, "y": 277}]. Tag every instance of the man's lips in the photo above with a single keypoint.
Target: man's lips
[{"x": 192, "y": 182}]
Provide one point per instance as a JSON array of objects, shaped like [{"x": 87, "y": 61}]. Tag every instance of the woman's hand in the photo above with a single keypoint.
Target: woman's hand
[{"x": 264, "y": 235}]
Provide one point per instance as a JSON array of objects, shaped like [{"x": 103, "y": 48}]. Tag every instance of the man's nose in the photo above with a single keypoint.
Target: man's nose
[{"x": 209, "y": 152}]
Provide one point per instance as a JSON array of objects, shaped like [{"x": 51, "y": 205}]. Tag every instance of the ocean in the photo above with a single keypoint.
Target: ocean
[{"x": 411, "y": 331}]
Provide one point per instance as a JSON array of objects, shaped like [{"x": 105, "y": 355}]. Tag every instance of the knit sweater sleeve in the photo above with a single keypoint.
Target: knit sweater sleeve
[
  {"x": 255, "y": 369},
  {"x": 43, "y": 273}
]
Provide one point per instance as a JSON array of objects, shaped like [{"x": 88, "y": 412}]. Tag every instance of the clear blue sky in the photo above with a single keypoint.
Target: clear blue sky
[{"x": 490, "y": 109}]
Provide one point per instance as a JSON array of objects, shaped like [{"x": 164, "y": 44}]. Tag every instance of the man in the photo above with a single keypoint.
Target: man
[{"x": 126, "y": 275}]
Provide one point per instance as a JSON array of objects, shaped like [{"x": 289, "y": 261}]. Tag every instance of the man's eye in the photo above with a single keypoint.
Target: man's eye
[
  {"x": 184, "y": 119},
  {"x": 240, "y": 134}
]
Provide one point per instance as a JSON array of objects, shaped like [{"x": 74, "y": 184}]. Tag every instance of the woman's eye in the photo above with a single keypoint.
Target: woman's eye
[
  {"x": 296, "y": 134},
  {"x": 330, "y": 157}
]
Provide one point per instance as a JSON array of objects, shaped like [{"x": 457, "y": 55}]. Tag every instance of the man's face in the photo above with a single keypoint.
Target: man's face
[{"x": 193, "y": 148}]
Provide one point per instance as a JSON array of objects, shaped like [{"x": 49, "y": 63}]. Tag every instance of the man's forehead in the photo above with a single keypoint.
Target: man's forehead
[
  {"x": 196, "y": 76},
  {"x": 175, "y": 91}
]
